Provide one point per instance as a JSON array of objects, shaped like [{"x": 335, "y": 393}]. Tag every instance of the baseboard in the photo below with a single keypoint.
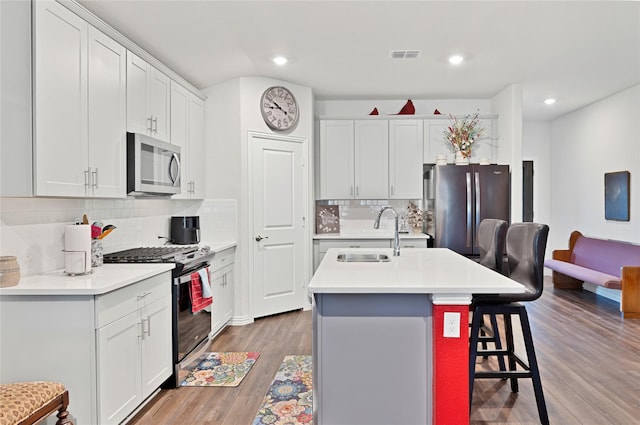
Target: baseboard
[
  {"x": 612, "y": 294},
  {"x": 240, "y": 321}
]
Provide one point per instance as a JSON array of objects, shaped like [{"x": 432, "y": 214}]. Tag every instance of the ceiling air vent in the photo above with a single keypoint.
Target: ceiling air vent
[{"x": 405, "y": 54}]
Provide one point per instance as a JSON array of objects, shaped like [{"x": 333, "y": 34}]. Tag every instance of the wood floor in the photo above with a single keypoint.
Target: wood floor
[{"x": 588, "y": 355}]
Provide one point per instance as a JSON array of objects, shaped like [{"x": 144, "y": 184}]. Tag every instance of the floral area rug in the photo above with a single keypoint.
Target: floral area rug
[
  {"x": 221, "y": 369},
  {"x": 289, "y": 398}
]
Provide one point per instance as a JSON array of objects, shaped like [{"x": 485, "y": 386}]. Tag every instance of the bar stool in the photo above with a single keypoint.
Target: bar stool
[
  {"x": 525, "y": 245},
  {"x": 492, "y": 234},
  {"x": 27, "y": 403}
]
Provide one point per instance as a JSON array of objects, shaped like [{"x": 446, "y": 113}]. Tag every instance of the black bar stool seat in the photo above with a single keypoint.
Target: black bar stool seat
[{"x": 525, "y": 246}]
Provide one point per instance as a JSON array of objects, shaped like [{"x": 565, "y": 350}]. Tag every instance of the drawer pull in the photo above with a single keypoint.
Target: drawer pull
[{"x": 143, "y": 295}]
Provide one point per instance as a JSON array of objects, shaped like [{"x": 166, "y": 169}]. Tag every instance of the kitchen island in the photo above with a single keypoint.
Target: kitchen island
[{"x": 380, "y": 353}]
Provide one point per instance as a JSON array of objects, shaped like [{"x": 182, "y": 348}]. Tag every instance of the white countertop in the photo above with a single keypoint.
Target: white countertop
[
  {"x": 416, "y": 270},
  {"x": 101, "y": 280},
  {"x": 220, "y": 245},
  {"x": 369, "y": 235}
]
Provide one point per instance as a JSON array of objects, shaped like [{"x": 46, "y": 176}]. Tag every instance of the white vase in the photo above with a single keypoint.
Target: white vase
[{"x": 460, "y": 159}]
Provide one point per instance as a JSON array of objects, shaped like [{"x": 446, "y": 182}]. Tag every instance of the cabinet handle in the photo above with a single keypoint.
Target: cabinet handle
[
  {"x": 354, "y": 246},
  {"x": 143, "y": 295},
  {"x": 148, "y": 325},
  {"x": 154, "y": 120},
  {"x": 357, "y": 191},
  {"x": 86, "y": 177},
  {"x": 94, "y": 179},
  {"x": 150, "y": 119}
]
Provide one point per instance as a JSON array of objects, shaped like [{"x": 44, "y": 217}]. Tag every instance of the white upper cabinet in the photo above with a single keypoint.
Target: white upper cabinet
[
  {"x": 79, "y": 101},
  {"x": 434, "y": 140},
  {"x": 371, "y": 159},
  {"x": 107, "y": 115},
  {"x": 187, "y": 131},
  {"x": 405, "y": 159},
  {"x": 148, "y": 99},
  {"x": 61, "y": 149},
  {"x": 354, "y": 159},
  {"x": 197, "y": 156},
  {"x": 336, "y": 163}
]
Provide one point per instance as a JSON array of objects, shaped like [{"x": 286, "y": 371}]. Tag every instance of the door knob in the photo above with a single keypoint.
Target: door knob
[{"x": 259, "y": 238}]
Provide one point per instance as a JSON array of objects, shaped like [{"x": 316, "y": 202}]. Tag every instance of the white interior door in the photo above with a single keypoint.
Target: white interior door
[{"x": 278, "y": 198}]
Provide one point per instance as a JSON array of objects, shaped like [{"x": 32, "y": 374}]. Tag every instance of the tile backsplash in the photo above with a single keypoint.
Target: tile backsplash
[
  {"x": 32, "y": 229},
  {"x": 358, "y": 215}
]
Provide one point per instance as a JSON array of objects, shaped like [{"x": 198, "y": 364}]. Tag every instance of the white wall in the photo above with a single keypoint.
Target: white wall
[
  {"x": 232, "y": 110},
  {"x": 600, "y": 138},
  {"x": 32, "y": 229},
  {"x": 536, "y": 147},
  {"x": 351, "y": 108},
  {"x": 508, "y": 105}
]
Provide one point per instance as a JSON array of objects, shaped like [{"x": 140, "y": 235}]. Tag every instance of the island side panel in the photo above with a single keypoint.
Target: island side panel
[
  {"x": 372, "y": 359},
  {"x": 450, "y": 368}
]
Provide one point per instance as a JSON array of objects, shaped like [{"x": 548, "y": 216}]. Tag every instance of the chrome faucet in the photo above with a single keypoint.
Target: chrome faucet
[{"x": 396, "y": 238}]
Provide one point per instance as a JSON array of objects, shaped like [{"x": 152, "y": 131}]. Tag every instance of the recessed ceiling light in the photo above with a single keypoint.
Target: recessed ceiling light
[
  {"x": 456, "y": 60},
  {"x": 280, "y": 60},
  {"x": 550, "y": 101}
]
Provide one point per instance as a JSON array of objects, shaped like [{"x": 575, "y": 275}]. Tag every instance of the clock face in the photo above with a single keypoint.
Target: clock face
[{"x": 279, "y": 108}]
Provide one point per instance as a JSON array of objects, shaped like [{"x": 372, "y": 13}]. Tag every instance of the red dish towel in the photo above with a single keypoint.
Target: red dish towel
[{"x": 197, "y": 301}]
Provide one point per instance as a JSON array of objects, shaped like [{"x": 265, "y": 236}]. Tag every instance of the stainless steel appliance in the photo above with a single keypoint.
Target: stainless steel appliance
[
  {"x": 463, "y": 195},
  {"x": 190, "y": 330},
  {"x": 153, "y": 166},
  {"x": 185, "y": 230}
]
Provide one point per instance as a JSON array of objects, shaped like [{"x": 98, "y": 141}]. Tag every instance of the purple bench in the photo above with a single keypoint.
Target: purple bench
[{"x": 608, "y": 263}]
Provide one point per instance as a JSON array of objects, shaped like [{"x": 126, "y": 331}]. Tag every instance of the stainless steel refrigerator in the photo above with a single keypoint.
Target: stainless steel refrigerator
[{"x": 462, "y": 196}]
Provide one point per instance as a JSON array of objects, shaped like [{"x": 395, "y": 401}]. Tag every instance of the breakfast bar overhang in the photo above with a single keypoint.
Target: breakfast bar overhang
[{"x": 380, "y": 354}]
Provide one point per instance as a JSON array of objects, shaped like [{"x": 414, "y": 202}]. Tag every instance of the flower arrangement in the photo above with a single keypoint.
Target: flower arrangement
[
  {"x": 414, "y": 216},
  {"x": 461, "y": 135}
]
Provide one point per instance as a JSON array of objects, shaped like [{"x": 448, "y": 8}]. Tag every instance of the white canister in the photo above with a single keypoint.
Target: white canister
[
  {"x": 9, "y": 271},
  {"x": 77, "y": 249}
]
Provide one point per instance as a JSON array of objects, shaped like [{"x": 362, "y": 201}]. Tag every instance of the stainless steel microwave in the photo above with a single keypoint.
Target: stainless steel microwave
[{"x": 153, "y": 166}]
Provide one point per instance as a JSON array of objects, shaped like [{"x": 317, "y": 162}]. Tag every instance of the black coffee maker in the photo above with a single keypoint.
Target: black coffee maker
[{"x": 185, "y": 230}]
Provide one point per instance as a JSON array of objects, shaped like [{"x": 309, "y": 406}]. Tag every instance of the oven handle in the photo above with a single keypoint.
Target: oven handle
[{"x": 187, "y": 276}]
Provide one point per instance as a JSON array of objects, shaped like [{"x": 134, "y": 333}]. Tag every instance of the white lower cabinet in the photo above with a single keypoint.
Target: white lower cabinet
[
  {"x": 221, "y": 277},
  {"x": 111, "y": 351},
  {"x": 134, "y": 350},
  {"x": 118, "y": 368}
]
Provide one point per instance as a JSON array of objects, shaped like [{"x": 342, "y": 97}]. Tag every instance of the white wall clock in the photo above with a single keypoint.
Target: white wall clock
[{"x": 279, "y": 108}]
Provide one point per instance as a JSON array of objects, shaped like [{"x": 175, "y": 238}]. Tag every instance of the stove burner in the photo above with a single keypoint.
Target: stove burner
[{"x": 164, "y": 254}]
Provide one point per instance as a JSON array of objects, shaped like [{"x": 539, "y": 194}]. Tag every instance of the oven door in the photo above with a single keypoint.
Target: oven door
[{"x": 191, "y": 328}]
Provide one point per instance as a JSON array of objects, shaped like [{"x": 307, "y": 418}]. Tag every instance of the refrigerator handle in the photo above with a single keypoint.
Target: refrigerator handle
[
  {"x": 469, "y": 209},
  {"x": 478, "y": 197}
]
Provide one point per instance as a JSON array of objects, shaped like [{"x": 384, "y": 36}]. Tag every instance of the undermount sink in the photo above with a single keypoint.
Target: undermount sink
[{"x": 363, "y": 258}]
